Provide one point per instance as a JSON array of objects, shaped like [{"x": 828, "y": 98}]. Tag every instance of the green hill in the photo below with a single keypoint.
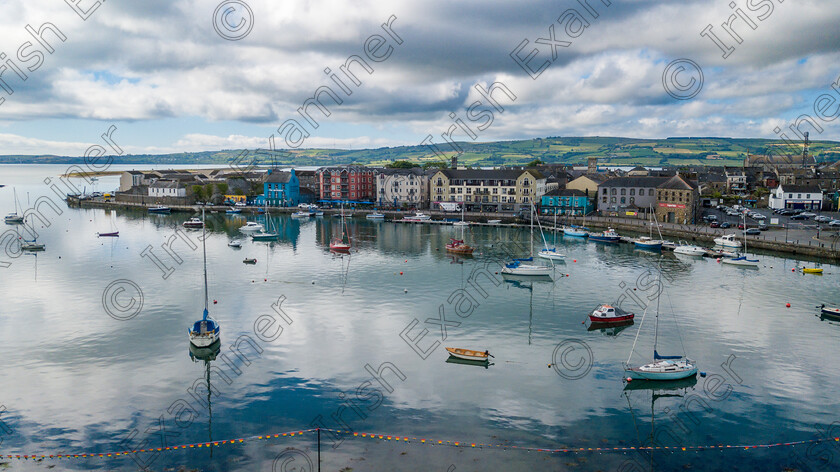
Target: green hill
[{"x": 567, "y": 150}]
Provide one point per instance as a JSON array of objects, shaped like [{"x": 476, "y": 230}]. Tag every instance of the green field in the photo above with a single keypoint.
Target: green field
[{"x": 565, "y": 150}]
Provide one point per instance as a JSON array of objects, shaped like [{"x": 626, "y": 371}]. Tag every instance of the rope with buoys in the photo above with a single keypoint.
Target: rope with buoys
[{"x": 424, "y": 441}]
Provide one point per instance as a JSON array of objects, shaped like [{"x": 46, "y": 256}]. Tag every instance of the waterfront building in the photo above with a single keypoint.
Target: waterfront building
[
  {"x": 281, "y": 189},
  {"x": 804, "y": 197},
  {"x": 588, "y": 183},
  {"x": 628, "y": 196},
  {"x": 347, "y": 183},
  {"x": 403, "y": 187},
  {"x": 490, "y": 190},
  {"x": 167, "y": 188},
  {"x": 566, "y": 202},
  {"x": 677, "y": 201}
]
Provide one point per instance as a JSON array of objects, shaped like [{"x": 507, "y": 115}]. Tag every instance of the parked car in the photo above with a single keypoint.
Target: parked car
[
  {"x": 822, "y": 218},
  {"x": 763, "y": 227},
  {"x": 799, "y": 217},
  {"x": 239, "y": 204},
  {"x": 740, "y": 225},
  {"x": 752, "y": 231},
  {"x": 834, "y": 223},
  {"x": 715, "y": 224},
  {"x": 808, "y": 214},
  {"x": 725, "y": 224},
  {"x": 760, "y": 217}
]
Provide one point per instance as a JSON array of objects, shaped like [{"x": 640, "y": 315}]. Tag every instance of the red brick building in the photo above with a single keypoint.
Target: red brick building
[{"x": 347, "y": 183}]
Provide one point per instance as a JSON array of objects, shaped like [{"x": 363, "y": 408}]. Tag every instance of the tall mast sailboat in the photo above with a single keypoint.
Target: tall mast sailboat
[
  {"x": 14, "y": 218},
  {"x": 742, "y": 260},
  {"x": 204, "y": 332},
  {"x": 338, "y": 244},
  {"x": 662, "y": 367},
  {"x": 516, "y": 266},
  {"x": 550, "y": 252}
]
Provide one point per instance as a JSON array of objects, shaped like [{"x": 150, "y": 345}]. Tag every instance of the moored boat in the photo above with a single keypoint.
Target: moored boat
[
  {"x": 468, "y": 354},
  {"x": 645, "y": 242},
  {"x": 109, "y": 235},
  {"x": 195, "y": 223},
  {"x": 251, "y": 226},
  {"x": 728, "y": 240},
  {"x": 375, "y": 216},
  {"x": 301, "y": 214},
  {"x": 608, "y": 236},
  {"x": 458, "y": 246},
  {"x": 812, "y": 270},
  {"x": 689, "y": 249},
  {"x": 609, "y": 314},
  {"x": 205, "y": 331},
  {"x": 830, "y": 312},
  {"x": 249, "y": 261},
  {"x": 551, "y": 254},
  {"x": 493, "y": 222},
  {"x": 235, "y": 243},
  {"x": 576, "y": 231},
  {"x": 418, "y": 217},
  {"x": 159, "y": 209}
]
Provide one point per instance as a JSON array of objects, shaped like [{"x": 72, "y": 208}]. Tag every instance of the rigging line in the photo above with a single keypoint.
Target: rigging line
[{"x": 637, "y": 336}]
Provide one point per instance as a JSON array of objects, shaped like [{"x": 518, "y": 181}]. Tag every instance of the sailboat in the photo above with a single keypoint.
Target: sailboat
[
  {"x": 458, "y": 246},
  {"x": 662, "y": 367},
  {"x": 647, "y": 242},
  {"x": 14, "y": 218},
  {"x": 205, "y": 331},
  {"x": 264, "y": 235},
  {"x": 550, "y": 252},
  {"x": 338, "y": 244},
  {"x": 742, "y": 260},
  {"x": 30, "y": 245},
  {"x": 516, "y": 266},
  {"x": 577, "y": 231},
  {"x": 462, "y": 222}
]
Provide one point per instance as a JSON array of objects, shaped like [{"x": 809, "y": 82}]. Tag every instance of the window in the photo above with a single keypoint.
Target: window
[
  {"x": 604, "y": 200},
  {"x": 623, "y": 200},
  {"x": 526, "y": 182},
  {"x": 632, "y": 200},
  {"x": 624, "y": 191},
  {"x": 798, "y": 195},
  {"x": 632, "y": 191},
  {"x": 525, "y": 200},
  {"x": 613, "y": 192},
  {"x": 612, "y": 199},
  {"x": 604, "y": 192},
  {"x": 650, "y": 192},
  {"x": 495, "y": 191}
]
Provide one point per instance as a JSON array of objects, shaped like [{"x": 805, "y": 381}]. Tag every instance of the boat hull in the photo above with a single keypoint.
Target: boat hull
[
  {"x": 828, "y": 312},
  {"x": 812, "y": 271},
  {"x": 265, "y": 237},
  {"x": 690, "y": 251},
  {"x": 109, "y": 235},
  {"x": 551, "y": 255},
  {"x": 575, "y": 233},
  {"x": 648, "y": 246},
  {"x": 460, "y": 249},
  {"x": 529, "y": 270},
  {"x": 604, "y": 239},
  {"x": 638, "y": 373},
  {"x": 467, "y": 354},
  {"x": 611, "y": 320},
  {"x": 741, "y": 262},
  {"x": 203, "y": 340}
]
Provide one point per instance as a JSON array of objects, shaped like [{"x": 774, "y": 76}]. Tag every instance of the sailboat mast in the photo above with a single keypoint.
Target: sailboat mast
[
  {"x": 532, "y": 230},
  {"x": 204, "y": 250},
  {"x": 658, "y": 298}
]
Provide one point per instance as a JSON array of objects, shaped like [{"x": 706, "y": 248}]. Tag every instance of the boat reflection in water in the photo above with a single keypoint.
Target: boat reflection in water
[
  {"x": 207, "y": 355},
  {"x": 610, "y": 329},
  {"x": 454, "y": 360}
]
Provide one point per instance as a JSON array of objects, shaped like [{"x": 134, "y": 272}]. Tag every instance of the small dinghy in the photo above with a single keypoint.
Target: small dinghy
[
  {"x": 830, "y": 312},
  {"x": 468, "y": 355},
  {"x": 115, "y": 234},
  {"x": 249, "y": 261},
  {"x": 235, "y": 243}
]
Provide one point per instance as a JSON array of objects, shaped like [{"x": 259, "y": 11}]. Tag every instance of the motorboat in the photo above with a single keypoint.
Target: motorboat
[
  {"x": 458, "y": 246},
  {"x": 468, "y": 354},
  {"x": 235, "y": 243},
  {"x": 728, "y": 240},
  {"x": 812, "y": 270},
  {"x": 193, "y": 223},
  {"x": 461, "y": 223},
  {"x": 317, "y": 213},
  {"x": 249, "y": 261},
  {"x": 609, "y": 314},
  {"x": 608, "y": 236},
  {"x": 32, "y": 246},
  {"x": 159, "y": 209},
  {"x": 233, "y": 211},
  {"x": 689, "y": 249},
  {"x": 493, "y": 222},
  {"x": 830, "y": 312},
  {"x": 13, "y": 219},
  {"x": 114, "y": 234},
  {"x": 375, "y": 216},
  {"x": 301, "y": 214},
  {"x": 251, "y": 227},
  {"x": 418, "y": 217}
]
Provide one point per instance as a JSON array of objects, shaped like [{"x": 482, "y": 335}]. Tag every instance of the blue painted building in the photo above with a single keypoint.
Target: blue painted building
[
  {"x": 281, "y": 189},
  {"x": 566, "y": 202}
]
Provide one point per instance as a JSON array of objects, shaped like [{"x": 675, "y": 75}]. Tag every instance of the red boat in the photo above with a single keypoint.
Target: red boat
[
  {"x": 609, "y": 314},
  {"x": 457, "y": 246},
  {"x": 339, "y": 245}
]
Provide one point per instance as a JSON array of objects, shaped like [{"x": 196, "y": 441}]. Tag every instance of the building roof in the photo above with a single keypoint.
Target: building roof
[
  {"x": 597, "y": 178},
  {"x": 491, "y": 174},
  {"x": 411, "y": 171},
  {"x": 640, "y": 181},
  {"x": 161, "y": 183},
  {"x": 678, "y": 183},
  {"x": 565, "y": 192},
  {"x": 279, "y": 177},
  {"x": 800, "y": 188}
]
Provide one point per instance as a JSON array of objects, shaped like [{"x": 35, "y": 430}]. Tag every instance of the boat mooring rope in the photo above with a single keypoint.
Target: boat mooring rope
[{"x": 423, "y": 441}]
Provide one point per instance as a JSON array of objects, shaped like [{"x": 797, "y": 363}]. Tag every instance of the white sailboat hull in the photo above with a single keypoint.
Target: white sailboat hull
[
  {"x": 203, "y": 340},
  {"x": 551, "y": 255},
  {"x": 527, "y": 270},
  {"x": 690, "y": 251},
  {"x": 741, "y": 261},
  {"x": 662, "y": 370}
]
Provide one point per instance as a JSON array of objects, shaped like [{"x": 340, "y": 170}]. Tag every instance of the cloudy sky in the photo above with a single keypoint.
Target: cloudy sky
[{"x": 193, "y": 75}]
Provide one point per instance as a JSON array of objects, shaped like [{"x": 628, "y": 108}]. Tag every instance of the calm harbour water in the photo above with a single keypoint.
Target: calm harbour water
[{"x": 77, "y": 380}]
